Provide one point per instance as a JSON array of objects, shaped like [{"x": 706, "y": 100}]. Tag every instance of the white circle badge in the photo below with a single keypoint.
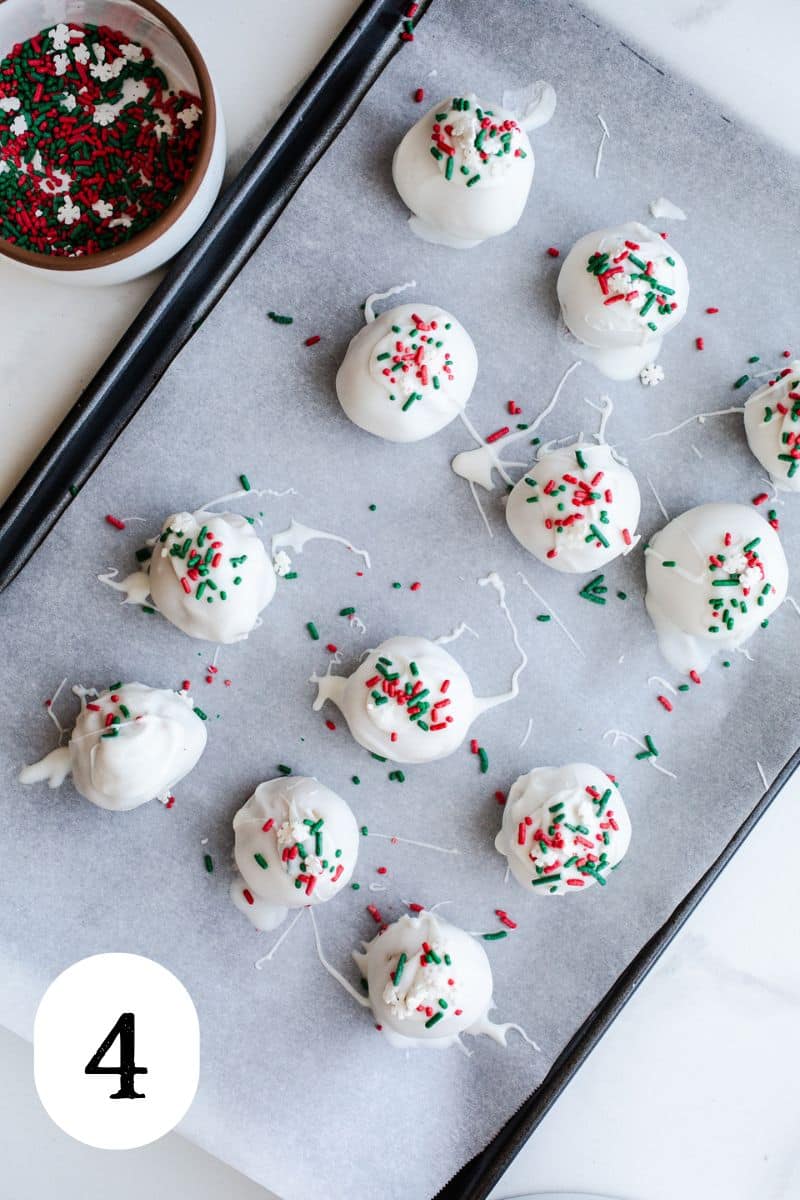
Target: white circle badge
[{"x": 116, "y": 1051}]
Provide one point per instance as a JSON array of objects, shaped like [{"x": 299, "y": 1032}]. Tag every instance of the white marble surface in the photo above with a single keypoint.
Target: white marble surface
[{"x": 696, "y": 1089}]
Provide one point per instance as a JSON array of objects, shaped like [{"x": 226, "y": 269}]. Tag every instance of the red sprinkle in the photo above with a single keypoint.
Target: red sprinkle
[
  {"x": 416, "y": 586},
  {"x": 382, "y": 870},
  {"x": 500, "y": 797},
  {"x": 711, "y": 311},
  {"x": 331, "y": 648},
  {"x": 787, "y": 354},
  {"x": 760, "y": 498},
  {"x": 312, "y": 341},
  {"x": 474, "y": 745},
  {"x": 248, "y": 895},
  {"x": 513, "y": 408},
  {"x": 170, "y": 802},
  {"x": 419, "y": 95},
  {"x": 695, "y": 678},
  {"x": 417, "y": 907},
  {"x": 498, "y": 433},
  {"x": 699, "y": 343},
  {"x": 505, "y": 919},
  {"x": 115, "y": 521},
  {"x": 373, "y": 912},
  {"x": 330, "y": 724},
  {"x": 667, "y": 704},
  {"x": 553, "y": 251}
]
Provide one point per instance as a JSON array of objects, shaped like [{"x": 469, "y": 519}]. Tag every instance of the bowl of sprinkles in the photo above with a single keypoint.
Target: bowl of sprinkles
[{"x": 112, "y": 145}]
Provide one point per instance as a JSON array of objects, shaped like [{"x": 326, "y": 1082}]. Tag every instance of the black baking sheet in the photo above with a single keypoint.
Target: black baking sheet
[{"x": 188, "y": 294}]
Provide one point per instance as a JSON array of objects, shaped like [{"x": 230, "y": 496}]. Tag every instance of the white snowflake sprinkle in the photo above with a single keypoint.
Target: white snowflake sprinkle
[
  {"x": 68, "y": 101},
  {"x": 132, "y": 52},
  {"x": 104, "y": 114},
  {"x": 651, "y": 375},
  {"x": 60, "y": 36},
  {"x": 9, "y": 103},
  {"x": 189, "y": 115},
  {"x": 102, "y": 208},
  {"x": 19, "y": 126},
  {"x": 61, "y": 63},
  {"x": 69, "y": 212},
  {"x": 82, "y": 54}
]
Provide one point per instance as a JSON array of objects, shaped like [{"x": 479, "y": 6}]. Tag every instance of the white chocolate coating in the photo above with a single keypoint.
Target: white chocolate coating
[
  {"x": 465, "y": 171},
  {"x": 428, "y": 1004},
  {"x": 564, "y": 829},
  {"x": 576, "y": 509},
  {"x": 378, "y": 701},
  {"x": 408, "y": 373},
  {"x": 722, "y": 553},
  {"x": 772, "y": 425},
  {"x": 210, "y": 575},
  {"x": 296, "y": 845},
  {"x": 619, "y": 294},
  {"x": 128, "y": 746}
]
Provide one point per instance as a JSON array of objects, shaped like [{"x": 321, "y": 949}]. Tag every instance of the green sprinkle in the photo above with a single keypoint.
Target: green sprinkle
[
  {"x": 471, "y": 182},
  {"x": 364, "y": 831},
  {"x": 484, "y": 760},
  {"x": 199, "y": 713},
  {"x": 245, "y": 482},
  {"x": 284, "y": 770},
  {"x": 543, "y": 617},
  {"x": 279, "y": 319},
  {"x": 398, "y": 974},
  {"x": 754, "y": 358},
  {"x": 741, "y": 381},
  {"x": 355, "y": 779},
  {"x": 312, "y": 629},
  {"x": 262, "y": 862},
  {"x": 346, "y": 612},
  {"x": 355, "y": 886},
  {"x": 495, "y": 937},
  {"x": 432, "y": 1021},
  {"x": 545, "y": 879},
  {"x": 208, "y": 860}
]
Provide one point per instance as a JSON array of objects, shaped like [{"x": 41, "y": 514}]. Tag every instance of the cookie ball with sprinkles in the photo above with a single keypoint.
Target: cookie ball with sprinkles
[
  {"x": 130, "y": 744},
  {"x": 715, "y": 575},
  {"x": 564, "y": 829},
  {"x": 428, "y": 982},
  {"x": 210, "y": 574},
  {"x": 407, "y": 373},
  {"x": 296, "y": 845},
  {"x": 620, "y": 291},
  {"x": 408, "y": 701},
  {"x": 465, "y": 170},
  {"x": 772, "y": 425},
  {"x": 576, "y": 509}
]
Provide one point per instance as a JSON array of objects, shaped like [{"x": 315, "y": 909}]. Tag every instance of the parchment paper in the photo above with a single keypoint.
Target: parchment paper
[{"x": 297, "y": 1088}]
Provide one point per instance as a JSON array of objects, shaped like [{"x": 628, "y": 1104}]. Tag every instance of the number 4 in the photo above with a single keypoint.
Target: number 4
[{"x": 124, "y": 1029}]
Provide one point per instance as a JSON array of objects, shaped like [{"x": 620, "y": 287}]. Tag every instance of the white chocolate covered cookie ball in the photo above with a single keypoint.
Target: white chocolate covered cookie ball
[
  {"x": 296, "y": 845},
  {"x": 576, "y": 509},
  {"x": 772, "y": 425},
  {"x": 211, "y": 575},
  {"x": 428, "y": 982},
  {"x": 465, "y": 170},
  {"x": 714, "y": 575},
  {"x": 620, "y": 291},
  {"x": 130, "y": 744},
  {"x": 407, "y": 373},
  {"x": 564, "y": 829},
  {"x": 408, "y": 701}
]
